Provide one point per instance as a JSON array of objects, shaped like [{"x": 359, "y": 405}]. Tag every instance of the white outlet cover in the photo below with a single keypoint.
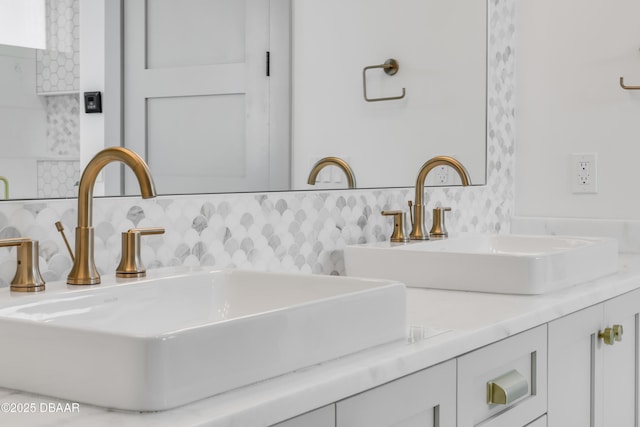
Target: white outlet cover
[{"x": 584, "y": 177}]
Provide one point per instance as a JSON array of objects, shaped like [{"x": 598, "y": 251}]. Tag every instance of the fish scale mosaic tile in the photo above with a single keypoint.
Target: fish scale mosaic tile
[{"x": 280, "y": 231}]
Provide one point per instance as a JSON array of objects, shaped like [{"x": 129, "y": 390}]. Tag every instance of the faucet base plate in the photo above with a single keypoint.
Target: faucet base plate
[
  {"x": 89, "y": 281},
  {"x": 131, "y": 275},
  {"x": 29, "y": 288}
]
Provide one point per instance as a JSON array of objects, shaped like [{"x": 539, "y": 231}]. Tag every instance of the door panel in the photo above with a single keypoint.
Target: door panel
[
  {"x": 575, "y": 369},
  {"x": 197, "y": 95},
  {"x": 216, "y": 32}
]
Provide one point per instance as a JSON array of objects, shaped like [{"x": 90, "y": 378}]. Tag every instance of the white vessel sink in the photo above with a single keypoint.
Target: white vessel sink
[
  {"x": 511, "y": 264},
  {"x": 156, "y": 343}
]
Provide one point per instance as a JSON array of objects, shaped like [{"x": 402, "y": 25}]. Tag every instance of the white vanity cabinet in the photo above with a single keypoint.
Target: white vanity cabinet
[
  {"x": 593, "y": 382},
  {"x": 424, "y": 399},
  {"x": 451, "y": 394}
]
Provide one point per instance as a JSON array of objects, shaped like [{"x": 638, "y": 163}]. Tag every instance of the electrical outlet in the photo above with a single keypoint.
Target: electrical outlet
[
  {"x": 440, "y": 176},
  {"x": 336, "y": 175},
  {"x": 325, "y": 175},
  {"x": 584, "y": 175}
]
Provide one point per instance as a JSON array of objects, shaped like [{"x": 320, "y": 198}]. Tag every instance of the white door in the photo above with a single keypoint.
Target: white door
[
  {"x": 196, "y": 94},
  {"x": 620, "y": 394},
  {"x": 575, "y": 370}
]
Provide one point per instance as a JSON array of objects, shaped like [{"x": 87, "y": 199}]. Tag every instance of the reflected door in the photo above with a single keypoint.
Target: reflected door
[{"x": 197, "y": 94}]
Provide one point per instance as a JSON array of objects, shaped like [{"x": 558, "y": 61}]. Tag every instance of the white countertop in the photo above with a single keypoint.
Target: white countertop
[{"x": 454, "y": 323}]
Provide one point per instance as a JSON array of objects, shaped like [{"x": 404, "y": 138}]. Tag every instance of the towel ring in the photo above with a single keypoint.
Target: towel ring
[
  {"x": 623, "y": 86},
  {"x": 390, "y": 67}
]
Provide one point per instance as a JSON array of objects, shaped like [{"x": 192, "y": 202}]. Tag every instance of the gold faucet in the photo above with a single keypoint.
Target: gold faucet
[
  {"x": 84, "y": 270},
  {"x": 332, "y": 161},
  {"x": 417, "y": 220}
]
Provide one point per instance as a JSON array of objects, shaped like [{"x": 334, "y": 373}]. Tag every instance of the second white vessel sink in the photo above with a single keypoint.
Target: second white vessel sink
[
  {"x": 510, "y": 264},
  {"x": 157, "y": 343}
]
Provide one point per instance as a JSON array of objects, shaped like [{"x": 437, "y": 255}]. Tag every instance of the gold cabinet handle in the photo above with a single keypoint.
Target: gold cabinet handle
[
  {"x": 507, "y": 388},
  {"x": 617, "y": 332},
  {"x": 608, "y": 336}
]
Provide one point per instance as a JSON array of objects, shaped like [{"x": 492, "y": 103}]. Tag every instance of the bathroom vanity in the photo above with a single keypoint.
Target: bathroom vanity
[{"x": 458, "y": 342}]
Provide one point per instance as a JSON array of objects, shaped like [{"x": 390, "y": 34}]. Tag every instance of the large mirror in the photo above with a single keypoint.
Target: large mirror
[{"x": 204, "y": 129}]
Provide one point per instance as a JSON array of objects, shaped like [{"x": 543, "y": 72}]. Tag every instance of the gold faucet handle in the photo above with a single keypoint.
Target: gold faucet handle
[
  {"x": 438, "y": 229},
  {"x": 27, "y": 277},
  {"x": 399, "y": 217},
  {"x": 130, "y": 262},
  {"x": 147, "y": 231}
]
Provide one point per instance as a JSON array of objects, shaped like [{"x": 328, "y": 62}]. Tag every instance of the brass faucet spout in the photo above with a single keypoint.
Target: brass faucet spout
[
  {"x": 84, "y": 271},
  {"x": 418, "y": 231},
  {"x": 90, "y": 174}
]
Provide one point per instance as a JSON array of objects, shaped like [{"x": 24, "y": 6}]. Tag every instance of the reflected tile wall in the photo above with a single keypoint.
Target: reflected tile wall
[
  {"x": 289, "y": 231},
  {"x": 63, "y": 125},
  {"x": 58, "y": 178},
  {"x": 58, "y": 67}
]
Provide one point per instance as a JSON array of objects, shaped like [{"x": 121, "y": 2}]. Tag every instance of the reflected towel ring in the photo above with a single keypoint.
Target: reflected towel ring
[
  {"x": 390, "y": 67},
  {"x": 623, "y": 86}
]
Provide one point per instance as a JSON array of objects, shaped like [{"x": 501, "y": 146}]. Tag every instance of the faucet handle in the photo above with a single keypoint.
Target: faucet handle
[
  {"x": 27, "y": 277},
  {"x": 398, "y": 225},
  {"x": 438, "y": 229},
  {"x": 130, "y": 262},
  {"x": 60, "y": 229}
]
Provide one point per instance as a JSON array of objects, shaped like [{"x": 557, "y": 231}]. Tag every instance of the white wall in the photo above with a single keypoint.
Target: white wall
[{"x": 569, "y": 57}]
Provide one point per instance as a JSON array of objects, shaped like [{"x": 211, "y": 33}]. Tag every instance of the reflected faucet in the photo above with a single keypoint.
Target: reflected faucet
[
  {"x": 84, "y": 270},
  {"x": 6, "y": 186},
  {"x": 332, "y": 161},
  {"x": 417, "y": 220}
]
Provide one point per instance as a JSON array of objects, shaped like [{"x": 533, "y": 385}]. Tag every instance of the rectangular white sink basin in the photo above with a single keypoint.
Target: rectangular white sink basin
[
  {"x": 510, "y": 264},
  {"x": 157, "y": 343}
]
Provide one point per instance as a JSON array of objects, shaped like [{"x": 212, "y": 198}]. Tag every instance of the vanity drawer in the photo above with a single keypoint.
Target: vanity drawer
[
  {"x": 426, "y": 398},
  {"x": 516, "y": 365}
]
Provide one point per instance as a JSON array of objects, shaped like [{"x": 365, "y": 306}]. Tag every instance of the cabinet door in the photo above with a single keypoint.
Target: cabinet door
[
  {"x": 323, "y": 417},
  {"x": 424, "y": 399},
  {"x": 575, "y": 369},
  {"x": 620, "y": 377},
  {"x": 540, "y": 422}
]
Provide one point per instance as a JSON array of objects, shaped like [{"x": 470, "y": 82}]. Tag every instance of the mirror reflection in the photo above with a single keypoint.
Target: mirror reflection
[{"x": 200, "y": 107}]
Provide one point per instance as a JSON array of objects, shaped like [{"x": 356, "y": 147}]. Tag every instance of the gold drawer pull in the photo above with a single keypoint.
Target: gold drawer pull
[{"x": 507, "y": 388}]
